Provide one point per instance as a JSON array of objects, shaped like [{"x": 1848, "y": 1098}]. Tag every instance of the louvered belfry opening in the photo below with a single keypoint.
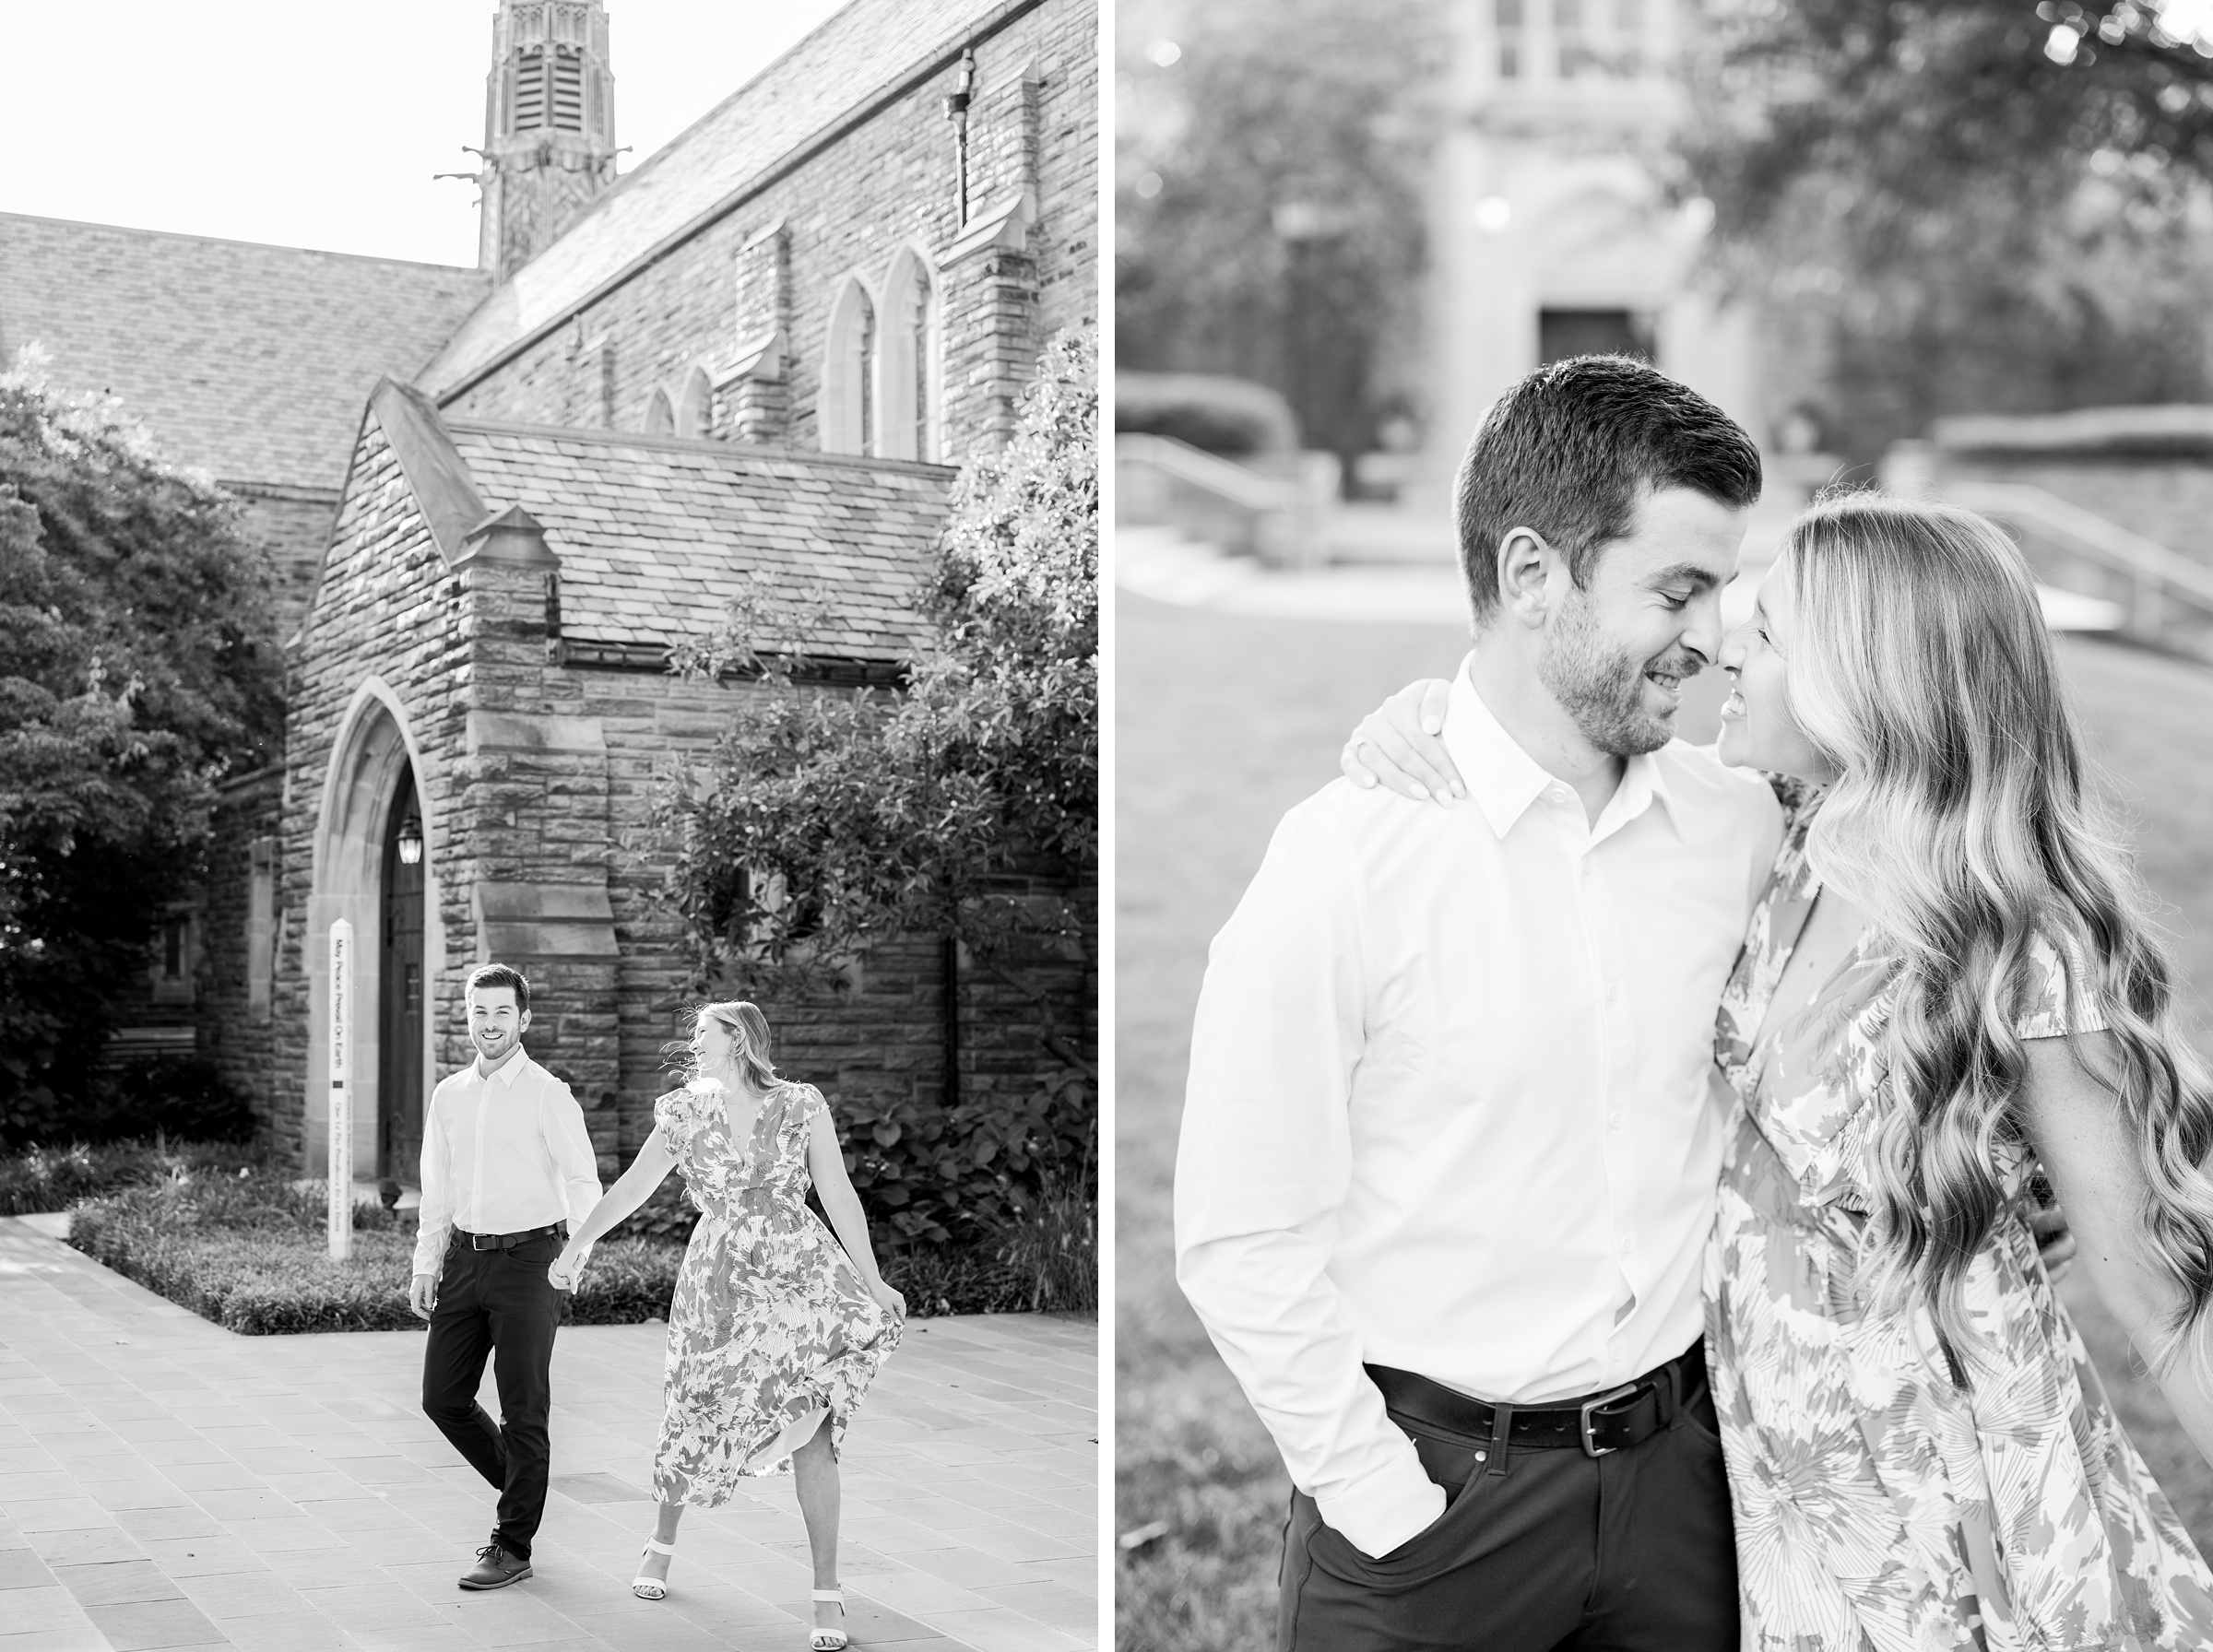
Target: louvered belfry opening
[
  {"x": 549, "y": 91},
  {"x": 529, "y": 90},
  {"x": 568, "y": 91},
  {"x": 550, "y": 125}
]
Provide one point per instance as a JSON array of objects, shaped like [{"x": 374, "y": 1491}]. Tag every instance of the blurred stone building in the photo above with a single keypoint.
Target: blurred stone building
[
  {"x": 495, "y": 497},
  {"x": 1550, "y": 234}
]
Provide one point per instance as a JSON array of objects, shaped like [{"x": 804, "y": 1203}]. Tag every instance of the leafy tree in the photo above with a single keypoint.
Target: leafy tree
[
  {"x": 965, "y": 805},
  {"x": 1268, "y": 207},
  {"x": 1969, "y": 204},
  {"x": 1914, "y": 105},
  {"x": 137, "y": 668}
]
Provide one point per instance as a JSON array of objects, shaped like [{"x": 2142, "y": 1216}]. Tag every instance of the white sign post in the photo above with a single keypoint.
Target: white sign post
[{"x": 341, "y": 1090}]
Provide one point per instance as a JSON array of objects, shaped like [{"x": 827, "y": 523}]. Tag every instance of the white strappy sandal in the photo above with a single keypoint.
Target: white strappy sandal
[
  {"x": 829, "y": 1640},
  {"x": 651, "y": 1588}
]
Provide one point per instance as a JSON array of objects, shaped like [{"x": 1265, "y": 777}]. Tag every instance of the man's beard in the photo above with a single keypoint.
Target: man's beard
[{"x": 1602, "y": 689}]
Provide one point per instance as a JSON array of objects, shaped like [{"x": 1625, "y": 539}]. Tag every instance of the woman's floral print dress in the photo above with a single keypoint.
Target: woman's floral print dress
[
  {"x": 1878, "y": 1505},
  {"x": 771, "y": 1326}
]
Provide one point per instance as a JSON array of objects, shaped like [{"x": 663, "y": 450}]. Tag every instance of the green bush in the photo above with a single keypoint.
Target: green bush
[
  {"x": 247, "y": 1248},
  {"x": 1052, "y": 1244},
  {"x": 184, "y": 1098},
  {"x": 668, "y": 1214},
  {"x": 931, "y": 1176},
  {"x": 54, "y": 1178},
  {"x": 249, "y": 1251}
]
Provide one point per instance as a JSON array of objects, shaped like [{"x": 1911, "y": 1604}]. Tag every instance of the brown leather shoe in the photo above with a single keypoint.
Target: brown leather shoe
[{"x": 495, "y": 1569}]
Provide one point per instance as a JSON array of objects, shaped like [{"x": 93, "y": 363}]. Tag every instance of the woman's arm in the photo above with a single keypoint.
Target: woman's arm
[
  {"x": 1397, "y": 743},
  {"x": 826, "y": 1163},
  {"x": 2076, "y": 1125},
  {"x": 628, "y": 1193}
]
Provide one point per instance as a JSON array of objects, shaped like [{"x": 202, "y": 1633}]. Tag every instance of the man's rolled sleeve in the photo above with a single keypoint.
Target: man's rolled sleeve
[{"x": 1262, "y": 1168}]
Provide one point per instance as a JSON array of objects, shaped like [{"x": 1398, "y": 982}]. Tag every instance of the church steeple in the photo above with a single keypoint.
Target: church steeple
[{"x": 548, "y": 126}]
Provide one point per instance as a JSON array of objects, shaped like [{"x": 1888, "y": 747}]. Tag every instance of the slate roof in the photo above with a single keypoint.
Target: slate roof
[
  {"x": 836, "y": 71},
  {"x": 250, "y": 362},
  {"x": 657, "y": 535}
]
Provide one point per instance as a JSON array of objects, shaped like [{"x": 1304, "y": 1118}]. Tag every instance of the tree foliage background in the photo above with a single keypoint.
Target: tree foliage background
[
  {"x": 1965, "y": 205},
  {"x": 137, "y": 668},
  {"x": 1944, "y": 205},
  {"x": 1262, "y": 104},
  {"x": 964, "y": 805}
]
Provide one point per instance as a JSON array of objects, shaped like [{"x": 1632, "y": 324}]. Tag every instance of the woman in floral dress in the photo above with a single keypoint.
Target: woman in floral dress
[
  {"x": 775, "y": 1331},
  {"x": 1946, "y": 984}
]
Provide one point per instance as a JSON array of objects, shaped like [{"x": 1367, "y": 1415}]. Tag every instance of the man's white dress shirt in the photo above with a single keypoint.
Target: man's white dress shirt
[
  {"x": 502, "y": 1154},
  {"x": 1448, "y": 1106}
]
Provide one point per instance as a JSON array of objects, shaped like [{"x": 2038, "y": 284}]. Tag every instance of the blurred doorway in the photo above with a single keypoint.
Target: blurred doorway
[
  {"x": 399, "y": 1062},
  {"x": 1564, "y": 333}
]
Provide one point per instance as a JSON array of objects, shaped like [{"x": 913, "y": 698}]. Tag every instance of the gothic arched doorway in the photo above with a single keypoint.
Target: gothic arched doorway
[
  {"x": 400, "y": 990},
  {"x": 377, "y": 783}
]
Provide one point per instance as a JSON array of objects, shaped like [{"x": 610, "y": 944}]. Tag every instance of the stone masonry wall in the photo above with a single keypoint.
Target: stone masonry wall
[
  {"x": 290, "y": 526},
  {"x": 540, "y": 778},
  {"x": 385, "y": 606},
  {"x": 850, "y": 209},
  {"x": 885, "y": 1039}
]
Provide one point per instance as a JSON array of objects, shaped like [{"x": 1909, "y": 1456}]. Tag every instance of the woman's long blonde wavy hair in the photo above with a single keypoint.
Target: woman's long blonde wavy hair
[
  {"x": 749, "y": 1054},
  {"x": 1920, "y": 669}
]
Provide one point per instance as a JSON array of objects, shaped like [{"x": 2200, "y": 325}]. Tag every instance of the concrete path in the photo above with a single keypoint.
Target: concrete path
[{"x": 164, "y": 1483}]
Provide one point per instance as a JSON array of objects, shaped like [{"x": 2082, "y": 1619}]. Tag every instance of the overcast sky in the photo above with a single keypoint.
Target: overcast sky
[{"x": 315, "y": 125}]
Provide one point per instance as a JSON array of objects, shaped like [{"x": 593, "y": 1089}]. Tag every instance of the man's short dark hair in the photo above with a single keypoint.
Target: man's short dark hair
[
  {"x": 1568, "y": 451},
  {"x": 502, "y": 974}
]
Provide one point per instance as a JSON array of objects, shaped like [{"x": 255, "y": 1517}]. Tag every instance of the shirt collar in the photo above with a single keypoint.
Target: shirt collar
[
  {"x": 1504, "y": 779},
  {"x": 505, "y": 1074}
]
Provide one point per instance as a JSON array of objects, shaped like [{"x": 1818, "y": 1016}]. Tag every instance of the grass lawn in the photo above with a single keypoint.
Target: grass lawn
[{"x": 1224, "y": 722}]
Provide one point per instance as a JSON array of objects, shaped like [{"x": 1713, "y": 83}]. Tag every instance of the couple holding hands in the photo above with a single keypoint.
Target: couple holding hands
[
  {"x": 1614, "y": 1191},
  {"x": 777, "y": 1329}
]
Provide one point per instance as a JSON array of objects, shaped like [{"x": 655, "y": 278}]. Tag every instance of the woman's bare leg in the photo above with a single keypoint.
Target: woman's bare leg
[
  {"x": 664, "y": 1532},
  {"x": 814, "y": 1467}
]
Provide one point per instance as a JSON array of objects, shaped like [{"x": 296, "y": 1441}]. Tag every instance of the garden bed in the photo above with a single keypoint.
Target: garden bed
[
  {"x": 247, "y": 1249},
  {"x": 53, "y": 1178}
]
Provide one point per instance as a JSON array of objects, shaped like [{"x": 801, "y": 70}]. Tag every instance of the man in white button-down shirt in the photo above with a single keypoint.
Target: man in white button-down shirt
[
  {"x": 1449, "y": 1153},
  {"x": 505, "y": 1163}
]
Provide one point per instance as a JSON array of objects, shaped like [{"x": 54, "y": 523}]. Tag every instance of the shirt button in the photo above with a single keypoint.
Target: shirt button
[
  {"x": 1614, "y": 1119},
  {"x": 1628, "y": 1245},
  {"x": 1613, "y": 995},
  {"x": 1614, "y": 1353}
]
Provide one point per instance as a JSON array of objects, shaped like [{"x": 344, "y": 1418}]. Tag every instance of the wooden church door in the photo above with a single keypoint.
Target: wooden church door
[{"x": 399, "y": 1062}]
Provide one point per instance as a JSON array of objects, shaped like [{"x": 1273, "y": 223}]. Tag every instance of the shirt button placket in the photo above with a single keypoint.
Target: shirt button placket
[{"x": 1619, "y": 1047}]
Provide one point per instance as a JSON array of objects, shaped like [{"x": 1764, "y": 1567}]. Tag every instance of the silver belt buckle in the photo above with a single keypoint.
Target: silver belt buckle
[{"x": 1592, "y": 1448}]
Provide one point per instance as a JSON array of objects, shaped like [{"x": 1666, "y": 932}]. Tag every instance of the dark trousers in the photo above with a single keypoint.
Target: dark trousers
[
  {"x": 497, "y": 1302},
  {"x": 1632, "y": 1551}
]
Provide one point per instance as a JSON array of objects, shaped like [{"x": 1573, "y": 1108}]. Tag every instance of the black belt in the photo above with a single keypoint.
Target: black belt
[
  {"x": 1600, "y": 1423},
  {"x": 509, "y": 1241}
]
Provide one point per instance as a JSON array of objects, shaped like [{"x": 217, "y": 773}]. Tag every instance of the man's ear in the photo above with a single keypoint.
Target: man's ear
[
  {"x": 524, "y": 1024},
  {"x": 1526, "y": 564}
]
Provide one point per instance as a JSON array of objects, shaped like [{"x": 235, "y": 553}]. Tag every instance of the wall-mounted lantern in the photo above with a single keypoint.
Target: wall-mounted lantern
[{"x": 410, "y": 840}]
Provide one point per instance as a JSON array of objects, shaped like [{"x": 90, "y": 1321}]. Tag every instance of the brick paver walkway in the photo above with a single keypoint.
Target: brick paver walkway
[{"x": 166, "y": 1483}]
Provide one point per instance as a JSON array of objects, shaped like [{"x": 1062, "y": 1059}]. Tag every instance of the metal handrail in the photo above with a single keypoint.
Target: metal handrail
[
  {"x": 1234, "y": 483},
  {"x": 2155, "y": 570}
]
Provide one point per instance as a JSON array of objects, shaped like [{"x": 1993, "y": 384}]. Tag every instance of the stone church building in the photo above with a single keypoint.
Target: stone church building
[{"x": 495, "y": 498}]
